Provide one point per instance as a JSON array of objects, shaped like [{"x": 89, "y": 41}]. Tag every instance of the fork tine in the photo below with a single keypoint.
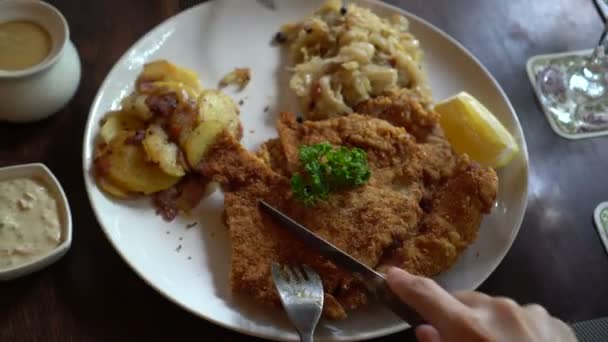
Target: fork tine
[
  {"x": 298, "y": 273},
  {"x": 303, "y": 272},
  {"x": 311, "y": 274},
  {"x": 288, "y": 274},
  {"x": 277, "y": 274}
]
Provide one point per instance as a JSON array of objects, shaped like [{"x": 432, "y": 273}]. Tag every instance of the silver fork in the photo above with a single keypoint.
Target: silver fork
[{"x": 301, "y": 292}]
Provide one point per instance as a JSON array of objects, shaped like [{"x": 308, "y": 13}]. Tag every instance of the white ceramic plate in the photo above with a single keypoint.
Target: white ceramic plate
[{"x": 191, "y": 266}]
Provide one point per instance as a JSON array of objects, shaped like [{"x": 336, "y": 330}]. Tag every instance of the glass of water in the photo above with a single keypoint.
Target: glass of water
[{"x": 575, "y": 89}]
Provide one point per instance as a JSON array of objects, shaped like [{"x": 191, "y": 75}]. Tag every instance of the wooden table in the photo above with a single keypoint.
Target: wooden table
[{"x": 557, "y": 259}]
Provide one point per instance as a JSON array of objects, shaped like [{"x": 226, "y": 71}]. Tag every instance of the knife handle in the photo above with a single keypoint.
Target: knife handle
[{"x": 398, "y": 307}]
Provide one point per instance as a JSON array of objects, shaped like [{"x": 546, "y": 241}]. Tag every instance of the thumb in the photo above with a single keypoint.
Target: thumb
[
  {"x": 426, "y": 297},
  {"x": 426, "y": 333}
]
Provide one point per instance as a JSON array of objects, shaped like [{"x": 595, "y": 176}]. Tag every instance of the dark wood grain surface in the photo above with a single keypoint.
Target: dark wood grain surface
[{"x": 557, "y": 259}]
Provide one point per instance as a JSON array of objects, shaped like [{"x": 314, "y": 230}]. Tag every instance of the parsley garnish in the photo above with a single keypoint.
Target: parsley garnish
[{"x": 328, "y": 169}]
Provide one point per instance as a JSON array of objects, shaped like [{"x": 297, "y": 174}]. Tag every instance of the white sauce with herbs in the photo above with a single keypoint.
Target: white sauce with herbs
[{"x": 29, "y": 221}]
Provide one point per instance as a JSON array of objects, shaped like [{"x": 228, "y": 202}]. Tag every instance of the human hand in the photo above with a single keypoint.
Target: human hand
[{"x": 474, "y": 316}]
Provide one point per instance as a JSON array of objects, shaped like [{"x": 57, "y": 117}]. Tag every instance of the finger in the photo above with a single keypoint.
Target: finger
[
  {"x": 543, "y": 327},
  {"x": 563, "y": 331},
  {"x": 432, "y": 302},
  {"x": 536, "y": 310},
  {"x": 472, "y": 298},
  {"x": 426, "y": 333}
]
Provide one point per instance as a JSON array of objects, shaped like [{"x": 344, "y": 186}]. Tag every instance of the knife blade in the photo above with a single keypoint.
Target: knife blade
[{"x": 374, "y": 282}]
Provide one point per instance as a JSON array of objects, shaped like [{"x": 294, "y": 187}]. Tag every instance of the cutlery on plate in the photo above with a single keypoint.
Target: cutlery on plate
[
  {"x": 301, "y": 293},
  {"x": 374, "y": 282}
]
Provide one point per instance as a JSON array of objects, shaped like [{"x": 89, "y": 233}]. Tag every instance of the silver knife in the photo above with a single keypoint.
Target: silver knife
[{"x": 374, "y": 282}]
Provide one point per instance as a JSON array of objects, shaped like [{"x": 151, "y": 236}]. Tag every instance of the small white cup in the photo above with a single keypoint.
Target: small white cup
[{"x": 39, "y": 91}]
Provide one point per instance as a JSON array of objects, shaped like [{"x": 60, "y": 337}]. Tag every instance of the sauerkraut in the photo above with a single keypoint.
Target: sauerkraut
[{"x": 343, "y": 58}]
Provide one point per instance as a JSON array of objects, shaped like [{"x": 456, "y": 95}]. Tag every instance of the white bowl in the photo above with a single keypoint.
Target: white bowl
[
  {"x": 37, "y": 92},
  {"x": 42, "y": 173}
]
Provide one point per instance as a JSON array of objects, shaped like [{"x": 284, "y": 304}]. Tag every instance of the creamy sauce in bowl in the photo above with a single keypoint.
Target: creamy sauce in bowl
[
  {"x": 30, "y": 225},
  {"x": 23, "y": 44}
]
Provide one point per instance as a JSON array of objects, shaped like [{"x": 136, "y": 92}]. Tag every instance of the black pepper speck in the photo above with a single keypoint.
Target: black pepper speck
[{"x": 280, "y": 38}]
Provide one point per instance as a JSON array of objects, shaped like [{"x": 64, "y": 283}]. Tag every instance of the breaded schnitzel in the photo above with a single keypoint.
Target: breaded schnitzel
[
  {"x": 364, "y": 221},
  {"x": 418, "y": 211},
  {"x": 401, "y": 107},
  {"x": 451, "y": 221}
]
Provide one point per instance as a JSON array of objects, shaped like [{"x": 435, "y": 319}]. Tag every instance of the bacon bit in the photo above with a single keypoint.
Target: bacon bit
[
  {"x": 145, "y": 86},
  {"x": 315, "y": 90},
  {"x": 102, "y": 166},
  {"x": 162, "y": 105},
  {"x": 102, "y": 148},
  {"x": 183, "y": 196},
  {"x": 192, "y": 190},
  {"x": 166, "y": 203},
  {"x": 181, "y": 122},
  {"x": 136, "y": 138},
  {"x": 174, "y": 131}
]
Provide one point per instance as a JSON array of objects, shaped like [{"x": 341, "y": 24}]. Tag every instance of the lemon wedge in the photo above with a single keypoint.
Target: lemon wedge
[{"x": 472, "y": 129}]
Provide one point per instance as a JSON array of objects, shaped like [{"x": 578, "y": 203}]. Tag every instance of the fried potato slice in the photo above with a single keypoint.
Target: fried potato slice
[
  {"x": 117, "y": 122},
  {"x": 216, "y": 113},
  {"x": 129, "y": 168},
  {"x": 183, "y": 91},
  {"x": 135, "y": 105},
  {"x": 213, "y": 105},
  {"x": 109, "y": 188},
  {"x": 163, "y": 70},
  {"x": 162, "y": 151},
  {"x": 199, "y": 142}
]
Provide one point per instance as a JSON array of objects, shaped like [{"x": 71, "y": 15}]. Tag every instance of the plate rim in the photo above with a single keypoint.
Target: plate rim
[{"x": 362, "y": 336}]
